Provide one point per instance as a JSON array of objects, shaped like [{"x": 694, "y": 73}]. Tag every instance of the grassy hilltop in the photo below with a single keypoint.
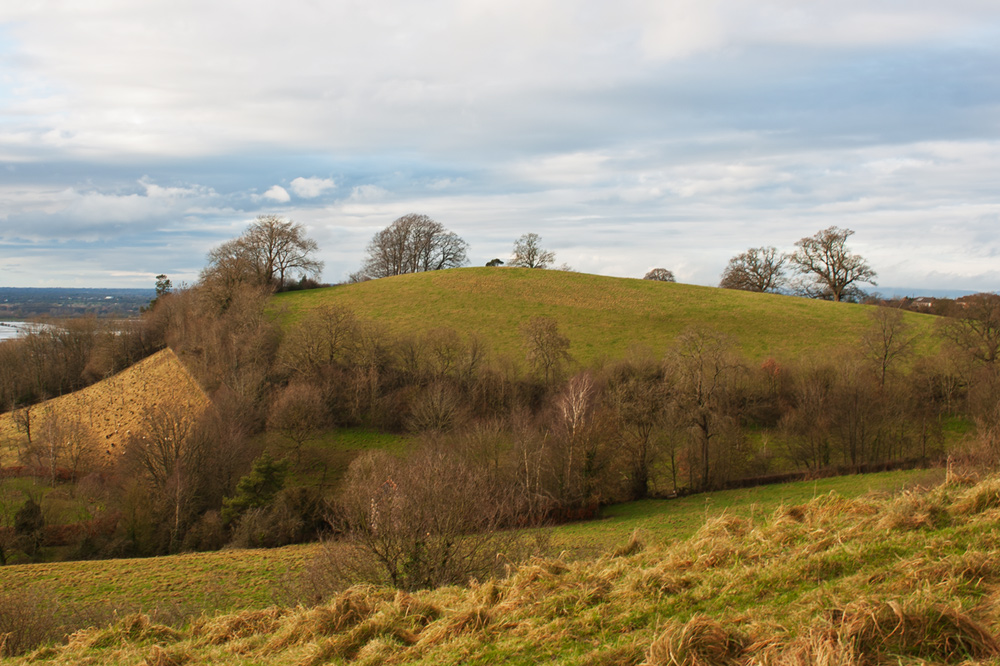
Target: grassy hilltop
[{"x": 604, "y": 317}]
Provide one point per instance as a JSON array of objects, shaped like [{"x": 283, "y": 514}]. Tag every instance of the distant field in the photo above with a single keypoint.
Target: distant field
[
  {"x": 111, "y": 409},
  {"x": 325, "y": 459},
  {"x": 603, "y": 317},
  {"x": 662, "y": 521},
  {"x": 259, "y": 578}
]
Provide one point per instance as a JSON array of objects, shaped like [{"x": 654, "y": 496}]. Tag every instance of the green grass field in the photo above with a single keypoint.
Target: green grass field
[
  {"x": 324, "y": 460},
  {"x": 603, "y": 317}
]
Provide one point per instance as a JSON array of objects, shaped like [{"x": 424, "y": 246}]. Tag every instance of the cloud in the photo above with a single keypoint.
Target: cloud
[
  {"x": 277, "y": 193},
  {"x": 310, "y": 188},
  {"x": 368, "y": 193}
]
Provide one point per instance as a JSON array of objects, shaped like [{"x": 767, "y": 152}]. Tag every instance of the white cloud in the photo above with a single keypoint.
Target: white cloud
[
  {"x": 368, "y": 193},
  {"x": 310, "y": 188},
  {"x": 277, "y": 193}
]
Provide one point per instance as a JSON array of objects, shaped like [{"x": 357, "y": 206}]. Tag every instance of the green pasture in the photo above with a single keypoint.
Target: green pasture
[
  {"x": 323, "y": 460},
  {"x": 665, "y": 521}
]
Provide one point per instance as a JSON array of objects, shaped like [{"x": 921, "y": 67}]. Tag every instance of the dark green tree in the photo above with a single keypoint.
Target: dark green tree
[
  {"x": 257, "y": 489},
  {"x": 28, "y": 525}
]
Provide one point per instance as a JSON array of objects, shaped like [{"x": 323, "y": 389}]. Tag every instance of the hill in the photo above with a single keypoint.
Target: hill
[
  {"x": 106, "y": 412},
  {"x": 905, "y": 579},
  {"x": 604, "y": 317}
]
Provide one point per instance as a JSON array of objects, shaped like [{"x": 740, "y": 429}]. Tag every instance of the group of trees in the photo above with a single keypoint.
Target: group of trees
[
  {"x": 416, "y": 243},
  {"x": 268, "y": 255},
  {"x": 826, "y": 267},
  {"x": 412, "y": 244}
]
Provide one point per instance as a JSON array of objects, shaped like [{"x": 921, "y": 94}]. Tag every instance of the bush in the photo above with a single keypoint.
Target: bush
[{"x": 424, "y": 522}]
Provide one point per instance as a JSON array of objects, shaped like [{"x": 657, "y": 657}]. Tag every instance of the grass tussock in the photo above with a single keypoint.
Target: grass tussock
[
  {"x": 938, "y": 633},
  {"x": 915, "y": 511},
  {"x": 135, "y": 629},
  {"x": 978, "y": 498},
  {"x": 347, "y": 646},
  {"x": 635, "y": 545},
  {"x": 701, "y": 641},
  {"x": 160, "y": 657},
  {"x": 347, "y": 610},
  {"x": 229, "y": 628}
]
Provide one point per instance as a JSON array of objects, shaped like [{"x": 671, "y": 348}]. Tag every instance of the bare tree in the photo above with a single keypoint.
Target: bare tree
[
  {"x": 412, "y": 244},
  {"x": 427, "y": 521},
  {"x": 976, "y": 333},
  {"x": 660, "y": 275},
  {"x": 886, "y": 341},
  {"x": 704, "y": 368},
  {"x": 638, "y": 397},
  {"x": 298, "y": 415},
  {"x": 23, "y": 418},
  {"x": 547, "y": 349},
  {"x": 279, "y": 248},
  {"x": 528, "y": 253},
  {"x": 270, "y": 251},
  {"x": 825, "y": 259},
  {"x": 169, "y": 452},
  {"x": 759, "y": 269},
  {"x": 806, "y": 421},
  {"x": 322, "y": 339},
  {"x": 64, "y": 441},
  {"x": 579, "y": 451}
]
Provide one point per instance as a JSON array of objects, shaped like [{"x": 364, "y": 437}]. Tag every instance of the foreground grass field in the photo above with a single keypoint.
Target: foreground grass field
[
  {"x": 254, "y": 579},
  {"x": 910, "y": 578},
  {"x": 603, "y": 317}
]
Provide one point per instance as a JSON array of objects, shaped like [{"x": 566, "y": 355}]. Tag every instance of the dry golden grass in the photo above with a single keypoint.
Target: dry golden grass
[{"x": 112, "y": 409}]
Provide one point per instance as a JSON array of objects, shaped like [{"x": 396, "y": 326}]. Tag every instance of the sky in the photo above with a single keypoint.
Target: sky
[{"x": 136, "y": 136}]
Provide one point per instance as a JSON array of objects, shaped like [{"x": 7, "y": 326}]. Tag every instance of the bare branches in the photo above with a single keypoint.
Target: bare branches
[
  {"x": 977, "y": 331},
  {"x": 660, "y": 275},
  {"x": 269, "y": 252},
  {"x": 528, "y": 253},
  {"x": 547, "y": 349},
  {"x": 825, "y": 259},
  {"x": 760, "y": 269},
  {"x": 412, "y": 244}
]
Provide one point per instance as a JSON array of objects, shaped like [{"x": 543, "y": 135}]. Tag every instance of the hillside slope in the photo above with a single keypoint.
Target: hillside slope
[
  {"x": 602, "y": 316},
  {"x": 109, "y": 410}
]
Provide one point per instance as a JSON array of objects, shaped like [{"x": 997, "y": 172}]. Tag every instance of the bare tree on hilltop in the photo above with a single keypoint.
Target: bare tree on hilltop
[
  {"x": 412, "y": 244},
  {"x": 528, "y": 253},
  {"x": 267, "y": 254},
  {"x": 833, "y": 269},
  {"x": 759, "y": 269},
  {"x": 660, "y": 275}
]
